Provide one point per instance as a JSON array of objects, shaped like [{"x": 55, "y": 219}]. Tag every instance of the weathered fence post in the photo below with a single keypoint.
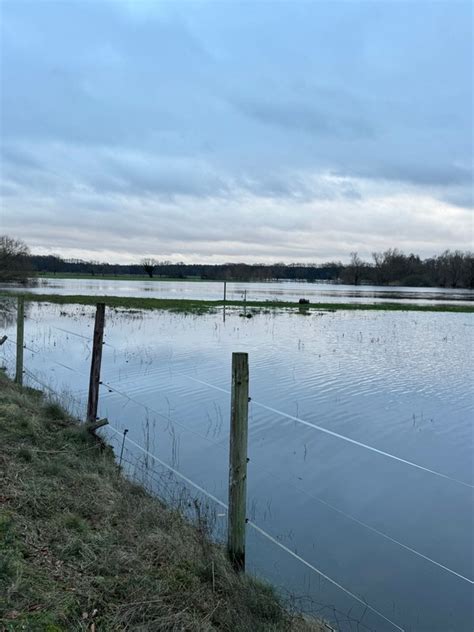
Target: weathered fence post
[
  {"x": 238, "y": 461},
  {"x": 225, "y": 297},
  {"x": 93, "y": 400},
  {"x": 20, "y": 335}
]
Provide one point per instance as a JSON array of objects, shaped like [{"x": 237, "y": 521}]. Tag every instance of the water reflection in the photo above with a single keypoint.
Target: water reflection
[
  {"x": 271, "y": 291},
  {"x": 8, "y": 311}
]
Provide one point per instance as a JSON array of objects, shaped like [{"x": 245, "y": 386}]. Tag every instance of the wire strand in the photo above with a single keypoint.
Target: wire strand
[
  {"x": 168, "y": 419},
  {"x": 49, "y": 388},
  {"x": 123, "y": 394},
  {"x": 337, "y": 435},
  {"x": 61, "y": 364},
  {"x": 309, "y": 495},
  {"x": 373, "y": 529},
  {"x": 67, "y": 331},
  {"x": 260, "y": 530}
]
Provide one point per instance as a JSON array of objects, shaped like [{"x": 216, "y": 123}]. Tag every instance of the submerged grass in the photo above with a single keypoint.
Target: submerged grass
[
  {"x": 83, "y": 548},
  {"x": 203, "y": 306}
]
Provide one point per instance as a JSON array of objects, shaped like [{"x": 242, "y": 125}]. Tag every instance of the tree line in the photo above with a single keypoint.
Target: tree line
[{"x": 450, "y": 269}]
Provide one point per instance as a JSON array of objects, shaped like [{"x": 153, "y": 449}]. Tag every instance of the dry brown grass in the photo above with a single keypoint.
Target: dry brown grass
[{"x": 82, "y": 548}]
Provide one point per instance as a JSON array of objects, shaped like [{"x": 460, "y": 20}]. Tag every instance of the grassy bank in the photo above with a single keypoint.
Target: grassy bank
[
  {"x": 82, "y": 548},
  {"x": 202, "y": 306}
]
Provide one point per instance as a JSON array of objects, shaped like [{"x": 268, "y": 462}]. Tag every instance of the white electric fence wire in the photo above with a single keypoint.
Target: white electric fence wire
[
  {"x": 260, "y": 530},
  {"x": 298, "y": 420},
  {"x": 163, "y": 416},
  {"x": 67, "y": 331},
  {"x": 303, "y": 491},
  {"x": 337, "y": 435}
]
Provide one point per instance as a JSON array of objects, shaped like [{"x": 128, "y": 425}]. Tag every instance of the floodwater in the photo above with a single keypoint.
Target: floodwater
[
  {"x": 268, "y": 291},
  {"x": 396, "y": 384}
]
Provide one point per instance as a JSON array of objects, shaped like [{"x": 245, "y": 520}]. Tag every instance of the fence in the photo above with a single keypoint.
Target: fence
[{"x": 238, "y": 520}]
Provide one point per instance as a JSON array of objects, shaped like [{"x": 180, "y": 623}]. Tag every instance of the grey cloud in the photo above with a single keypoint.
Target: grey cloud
[
  {"x": 464, "y": 198},
  {"x": 425, "y": 173},
  {"x": 165, "y": 177},
  {"x": 120, "y": 171},
  {"x": 188, "y": 225},
  {"x": 307, "y": 118},
  {"x": 18, "y": 158}
]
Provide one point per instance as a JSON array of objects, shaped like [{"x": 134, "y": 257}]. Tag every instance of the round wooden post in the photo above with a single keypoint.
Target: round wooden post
[
  {"x": 238, "y": 461},
  {"x": 20, "y": 335},
  {"x": 225, "y": 298},
  {"x": 93, "y": 400}
]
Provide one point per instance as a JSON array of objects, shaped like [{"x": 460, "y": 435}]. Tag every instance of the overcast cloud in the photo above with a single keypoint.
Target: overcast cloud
[{"x": 257, "y": 131}]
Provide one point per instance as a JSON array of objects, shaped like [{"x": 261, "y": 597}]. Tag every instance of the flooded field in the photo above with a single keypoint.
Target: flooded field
[
  {"x": 277, "y": 290},
  {"x": 381, "y": 505}
]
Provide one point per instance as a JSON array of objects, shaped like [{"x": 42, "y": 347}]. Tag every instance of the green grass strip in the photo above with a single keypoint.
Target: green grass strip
[{"x": 203, "y": 306}]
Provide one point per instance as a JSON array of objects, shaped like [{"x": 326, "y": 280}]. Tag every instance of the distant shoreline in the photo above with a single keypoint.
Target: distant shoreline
[{"x": 117, "y": 277}]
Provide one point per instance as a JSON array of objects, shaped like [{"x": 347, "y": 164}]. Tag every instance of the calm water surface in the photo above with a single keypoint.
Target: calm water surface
[
  {"x": 400, "y": 382},
  {"x": 277, "y": 290}
]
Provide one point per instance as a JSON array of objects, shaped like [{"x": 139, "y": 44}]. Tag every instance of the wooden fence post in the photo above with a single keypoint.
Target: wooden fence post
[
  {"x": 20, "y": 335},
  {"x": 238, "y": 461},
  {"x": 93, "y": 400},
  {"x": 225, "y": 297}
]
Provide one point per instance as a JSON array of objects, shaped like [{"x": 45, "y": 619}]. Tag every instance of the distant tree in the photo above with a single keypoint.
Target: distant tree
[
  {"x": 450, "y": 268},
  {"x": 355, "y": 268},
  {"x": 378, "y": 258},
  {"x": 468, "y": 270},
  {"x": 149, "y": 265},
  {"x": 456, "y": 265},
  {"x": 55, "y": 262},
  {"x": 14, "y": 259},
  {"x": 391, "y": 267}
]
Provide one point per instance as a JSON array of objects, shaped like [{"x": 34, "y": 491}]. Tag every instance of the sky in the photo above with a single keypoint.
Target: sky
[{"x": 236, "y": 131}]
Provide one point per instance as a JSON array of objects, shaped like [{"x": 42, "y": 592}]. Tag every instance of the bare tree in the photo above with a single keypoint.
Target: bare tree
[
  {"x": 149, "y": 264},
  {"x": 14, "y": 259},
  {"x": 355, "y": 268},
  {"x": 378, "y": 258}
]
